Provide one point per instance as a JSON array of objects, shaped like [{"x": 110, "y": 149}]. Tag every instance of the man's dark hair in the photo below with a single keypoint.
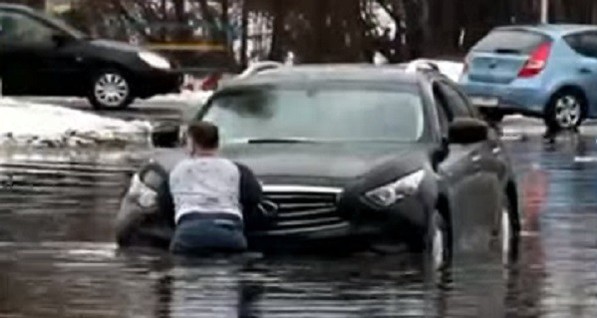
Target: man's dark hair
[{"x": 204, "y": 134}]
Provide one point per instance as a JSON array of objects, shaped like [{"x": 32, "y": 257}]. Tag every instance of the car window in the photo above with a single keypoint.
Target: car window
[
  {"x": 19, "y": 29},
  {"x": 444, "y": 114},
  {"x": 458, "y": 105},
  {"x": 357, "y": 114},
  {"x": 583, "y": 43},
  {"x": 511, "y": 41}
]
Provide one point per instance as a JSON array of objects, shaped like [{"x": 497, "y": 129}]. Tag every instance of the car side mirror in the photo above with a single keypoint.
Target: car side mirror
[
  {"x": 464, "y": 130},
  {"x": 166, "y": 136}
]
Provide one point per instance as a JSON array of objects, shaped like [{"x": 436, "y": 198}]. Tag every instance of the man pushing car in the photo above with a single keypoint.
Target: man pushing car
[{"x": 210, "y": 195}]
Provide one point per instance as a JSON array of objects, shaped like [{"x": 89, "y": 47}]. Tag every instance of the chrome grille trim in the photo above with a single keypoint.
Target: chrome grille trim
[
  {"x": 301, "y": 189},
  {"x": 304, "y": 209}
]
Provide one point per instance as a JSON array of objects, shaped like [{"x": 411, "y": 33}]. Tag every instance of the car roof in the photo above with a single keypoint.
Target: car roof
[
  {"x": 552, "y": 29},
  {"x": 333, "y": 73}
]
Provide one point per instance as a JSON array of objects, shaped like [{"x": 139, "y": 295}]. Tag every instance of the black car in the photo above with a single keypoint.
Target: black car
[
  {"x": 42, "y": 56},
  {"x": 358, "y": 156}
]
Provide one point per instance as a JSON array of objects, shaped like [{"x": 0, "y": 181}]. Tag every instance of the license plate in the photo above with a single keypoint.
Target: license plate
[{"x": 485, "y": 101}]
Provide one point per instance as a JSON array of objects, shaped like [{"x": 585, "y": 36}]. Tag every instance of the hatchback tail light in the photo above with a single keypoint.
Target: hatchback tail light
[{"x": 537, "y": 61}]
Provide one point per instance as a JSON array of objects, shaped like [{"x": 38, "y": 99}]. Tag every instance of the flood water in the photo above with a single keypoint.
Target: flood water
[{"x": 58, "y": 259}]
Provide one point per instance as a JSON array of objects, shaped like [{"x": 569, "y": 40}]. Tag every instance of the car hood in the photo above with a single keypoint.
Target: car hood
[
  {"x": 318, "y": 164},
  {"x": 116, "y": 45}
]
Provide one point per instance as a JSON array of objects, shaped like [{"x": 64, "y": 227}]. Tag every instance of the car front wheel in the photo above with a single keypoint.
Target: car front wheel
[
  {"x": 110, "y": 89},
  {"x": 507, "y": 238},
  {"x": 437, "y": 247}
]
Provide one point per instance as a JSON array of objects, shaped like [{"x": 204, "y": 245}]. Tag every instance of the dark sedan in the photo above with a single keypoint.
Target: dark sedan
[
  {"x": 353, "y": 156},
  {"x": 42, "y": 56}
]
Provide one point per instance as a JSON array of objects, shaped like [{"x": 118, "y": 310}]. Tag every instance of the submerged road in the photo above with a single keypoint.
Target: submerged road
[{"x": 58, "y": 259}]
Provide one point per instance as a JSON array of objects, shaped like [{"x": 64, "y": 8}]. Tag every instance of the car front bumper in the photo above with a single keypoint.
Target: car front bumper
[
  {"x": 364, "y": 224},
  {"x": 398, "y": 225}
]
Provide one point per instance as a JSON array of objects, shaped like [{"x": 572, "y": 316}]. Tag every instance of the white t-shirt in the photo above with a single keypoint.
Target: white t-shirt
[{"x": 205, "y": 185}]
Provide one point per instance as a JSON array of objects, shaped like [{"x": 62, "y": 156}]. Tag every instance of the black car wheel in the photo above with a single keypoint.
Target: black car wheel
[
  {"x": 437, "y": 243},
  {"x": 110, "y": 89},
  {"x": 566, "y": 110},
  {"x": 507, "y": 236}
]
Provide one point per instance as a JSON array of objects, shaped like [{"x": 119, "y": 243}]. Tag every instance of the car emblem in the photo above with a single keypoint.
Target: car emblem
[{"x": 493, "y": 64}]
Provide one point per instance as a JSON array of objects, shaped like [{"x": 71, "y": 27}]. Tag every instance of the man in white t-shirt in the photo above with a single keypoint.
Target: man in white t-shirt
[{"x": 211, "y": 195}]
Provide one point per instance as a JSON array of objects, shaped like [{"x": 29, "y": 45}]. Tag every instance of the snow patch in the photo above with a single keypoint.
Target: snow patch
[{"x": 43, "y": 125}]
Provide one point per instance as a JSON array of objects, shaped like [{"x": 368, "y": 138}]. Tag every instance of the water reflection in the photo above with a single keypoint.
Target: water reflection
[{"x": 57, "y": 258}]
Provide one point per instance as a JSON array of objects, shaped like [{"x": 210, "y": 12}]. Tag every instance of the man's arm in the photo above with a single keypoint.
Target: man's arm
[
  {"x": 251, "y": 196},
  {"x": 250, "y": 190}
]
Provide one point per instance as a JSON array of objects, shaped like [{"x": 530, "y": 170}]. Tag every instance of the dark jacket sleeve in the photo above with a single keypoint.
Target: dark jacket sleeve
[
  {"x": 251, "y": 196},
  {"x": 250, "y": 190}
]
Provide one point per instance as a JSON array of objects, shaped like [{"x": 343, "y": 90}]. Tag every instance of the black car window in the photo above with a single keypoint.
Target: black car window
[
  {"x": 458, "y": 105},
  {"x": 443, "y": 112},
  {"x": 583, "y": 43},
  {"x": 20, "y": 29}
]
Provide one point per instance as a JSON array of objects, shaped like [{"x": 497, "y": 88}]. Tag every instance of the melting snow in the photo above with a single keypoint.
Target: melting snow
[{"x": 44, "y": 125}]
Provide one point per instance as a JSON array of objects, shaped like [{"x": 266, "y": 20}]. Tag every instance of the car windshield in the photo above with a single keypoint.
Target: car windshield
[
  {"x": 63, "y": 25},
  {"x": 319, "y": 114}
]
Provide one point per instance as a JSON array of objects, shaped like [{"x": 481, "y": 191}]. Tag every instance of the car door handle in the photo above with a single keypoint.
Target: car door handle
[
  {"x": 584, "y": 70},
  {"x": 476, "y": 158}
]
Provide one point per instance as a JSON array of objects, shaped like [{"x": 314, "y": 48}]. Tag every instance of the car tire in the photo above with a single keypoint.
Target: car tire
[
  {"x": 438, "y": 250},
  {"x": 110, "y": 89},
  {"x": 567, "y": 109},
  {"x": 507, "y": 234}
]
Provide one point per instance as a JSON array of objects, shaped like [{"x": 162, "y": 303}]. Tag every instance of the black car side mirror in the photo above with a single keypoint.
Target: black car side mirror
[
  {"x": 166, "y": 136},
  {"x": 465, "y": 130}
]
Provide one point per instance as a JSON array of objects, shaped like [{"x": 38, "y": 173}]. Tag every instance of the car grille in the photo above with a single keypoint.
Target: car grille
[{"x": 304, "y": 209}]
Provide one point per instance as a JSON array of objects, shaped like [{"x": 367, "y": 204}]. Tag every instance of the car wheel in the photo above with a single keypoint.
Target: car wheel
[
  {"x": 110, "y": 90},
  {"x": 566, "y": 110},
  {"x": 437, "y": 248},
  {"x": 507, "y": 235}
]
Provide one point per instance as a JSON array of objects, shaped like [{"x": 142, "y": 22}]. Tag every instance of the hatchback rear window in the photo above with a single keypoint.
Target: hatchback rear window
[{"x": 511, "y": 41}]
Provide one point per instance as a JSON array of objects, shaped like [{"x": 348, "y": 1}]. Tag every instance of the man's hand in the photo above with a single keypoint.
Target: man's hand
[{"x": 268, "y": 208}]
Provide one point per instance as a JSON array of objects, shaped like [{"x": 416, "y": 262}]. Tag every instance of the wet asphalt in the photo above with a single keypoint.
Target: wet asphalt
[{"x": 58, "y": 258}]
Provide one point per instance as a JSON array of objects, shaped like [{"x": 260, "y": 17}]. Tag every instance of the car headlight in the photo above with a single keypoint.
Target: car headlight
[
  {"x": 155, "y": 60},
  {"x": 390, "y": 193},
  {"x": 141, "y": 193}
]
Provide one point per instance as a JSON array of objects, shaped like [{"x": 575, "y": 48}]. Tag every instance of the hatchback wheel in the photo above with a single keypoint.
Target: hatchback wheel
[
  {"x": 110, "y": 90},
  {"x": 566, "y": 110}
]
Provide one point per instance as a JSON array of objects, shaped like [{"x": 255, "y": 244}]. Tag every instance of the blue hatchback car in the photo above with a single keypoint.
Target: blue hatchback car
[{"x": 546, "y": 70}]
